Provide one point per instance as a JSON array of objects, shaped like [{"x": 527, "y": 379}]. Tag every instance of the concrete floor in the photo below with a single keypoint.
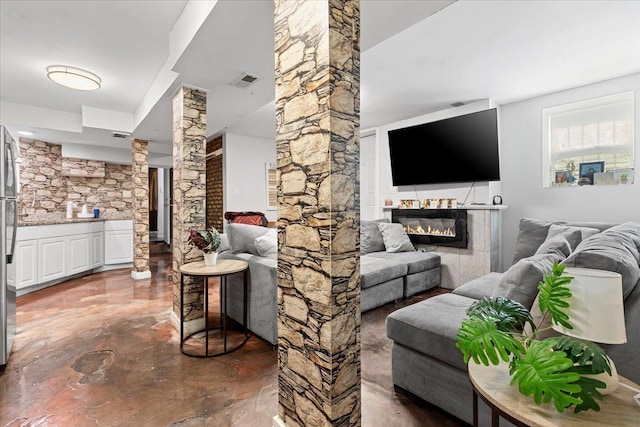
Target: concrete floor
[{"x": 101, "y": 351}]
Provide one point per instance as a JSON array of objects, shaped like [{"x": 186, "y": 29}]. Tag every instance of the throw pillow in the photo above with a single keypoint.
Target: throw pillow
[
  {"x": 557, "y": 245},
  {"x": 370, "y": 237},
  {"x": 395, "y": 238},
  {"x": 569, "y": 232},
  {"x": 616, "y": 249},
  {"x": 531, "y": 235},
  {"x": 242, "y": 237},
  {"x": 520, "y": 282},
  {"x": 267, "y": 244},
  {"x": 224, "y": 243}
]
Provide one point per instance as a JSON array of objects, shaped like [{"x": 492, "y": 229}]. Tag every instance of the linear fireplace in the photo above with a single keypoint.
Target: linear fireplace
[{"x": 442, "y": 227}]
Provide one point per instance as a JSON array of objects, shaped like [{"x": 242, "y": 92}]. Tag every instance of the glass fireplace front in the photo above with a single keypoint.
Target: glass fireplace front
[{"x": 442, "y": 227}]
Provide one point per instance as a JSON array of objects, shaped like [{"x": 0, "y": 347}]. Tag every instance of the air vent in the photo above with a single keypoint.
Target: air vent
[
  {"x": 120, "y": 134},
  {"x": 245, "y": 80},
  {"x": 457, "y": 104}
]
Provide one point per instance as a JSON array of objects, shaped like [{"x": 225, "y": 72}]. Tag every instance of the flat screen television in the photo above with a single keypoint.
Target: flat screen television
[{"x": 458, "y": 149}]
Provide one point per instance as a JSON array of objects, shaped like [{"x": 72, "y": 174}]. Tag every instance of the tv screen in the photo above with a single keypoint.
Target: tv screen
[{"x": 457, "y": 149}]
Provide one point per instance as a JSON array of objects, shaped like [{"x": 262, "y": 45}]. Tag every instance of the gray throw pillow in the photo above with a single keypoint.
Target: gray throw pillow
[
  {"x": 224, "y": 243},
  {"x": 520, "y": 282},
  {"x": 616, "y": 249},
  {"x": 395, "y": 238},
  {"x": 267, "y": 244},
  {"x": 569, "y": 232},
  {"x": 242, "y": 237},
  {"x": 558, "y": 245},
  {"x": 532, "y": 233},
  {"x": 370, "y": 237}
]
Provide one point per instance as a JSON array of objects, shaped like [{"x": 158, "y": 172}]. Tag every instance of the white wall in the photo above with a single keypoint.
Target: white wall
[
  {"x": 482, "y": 192},
  {"x": 245, "y": 181},
  {"x": 521, "y": 167}
]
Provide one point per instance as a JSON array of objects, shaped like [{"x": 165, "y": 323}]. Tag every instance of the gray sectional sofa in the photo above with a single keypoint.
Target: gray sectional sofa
[
  {"x": 425, "y": 361},
  {"x": 384, "y": 276}
]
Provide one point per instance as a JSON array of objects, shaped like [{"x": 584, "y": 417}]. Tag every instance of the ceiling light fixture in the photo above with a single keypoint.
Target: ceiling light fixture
[
  {"x": 25, "y": 133},
  {"x": 74, "y": 78}
]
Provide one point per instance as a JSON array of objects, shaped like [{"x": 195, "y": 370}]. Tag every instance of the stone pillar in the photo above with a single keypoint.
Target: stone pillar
[
  {"x": 189, "y": 185},
  {"x": 140, "y": 175},
  {"x": 317, "y": 146}
]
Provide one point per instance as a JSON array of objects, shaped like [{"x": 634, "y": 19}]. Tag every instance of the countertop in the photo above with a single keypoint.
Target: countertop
[{"x": 54, "y": 219}]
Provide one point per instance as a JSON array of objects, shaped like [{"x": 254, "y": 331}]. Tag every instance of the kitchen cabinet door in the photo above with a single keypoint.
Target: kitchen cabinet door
[
  {"x": 98, "y": 250},
  {"x": 24, "y": 269},
  {"x": 80, "y": 253},
  {"x": 118, "y": 247},
  {"x": 52, "y": 257}
]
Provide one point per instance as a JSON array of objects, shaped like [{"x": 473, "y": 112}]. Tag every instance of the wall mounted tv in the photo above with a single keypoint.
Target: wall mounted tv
[{"x": 458, "y": 149}]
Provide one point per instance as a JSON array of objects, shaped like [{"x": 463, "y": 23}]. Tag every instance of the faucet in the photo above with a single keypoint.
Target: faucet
[{"x": 33, "y": 197}]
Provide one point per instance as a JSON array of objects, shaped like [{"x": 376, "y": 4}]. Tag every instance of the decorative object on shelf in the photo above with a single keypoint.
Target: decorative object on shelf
[
  {"x": 623, "y": 176},
  {"x": 409, "y": 204},
  {"x": 208, "y": 242},
  {"x": 557, "y": 368},
  {"x": 588, "y": 169},
  {"x": 497, "y": 200},
  {"x": 388, "y": 202}
]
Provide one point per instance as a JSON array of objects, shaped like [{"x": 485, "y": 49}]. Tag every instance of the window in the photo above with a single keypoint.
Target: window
[{"x": 589, "y": 142}]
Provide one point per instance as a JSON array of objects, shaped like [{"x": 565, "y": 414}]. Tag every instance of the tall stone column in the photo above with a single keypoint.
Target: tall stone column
[
  {"x": 189, "y": 187},
  {"x": 317, "y": 145},
  {"x": 140, "y": 175}
]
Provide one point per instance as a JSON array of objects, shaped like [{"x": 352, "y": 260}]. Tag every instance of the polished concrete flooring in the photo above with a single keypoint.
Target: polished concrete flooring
[{"x": 101, "y": 351}]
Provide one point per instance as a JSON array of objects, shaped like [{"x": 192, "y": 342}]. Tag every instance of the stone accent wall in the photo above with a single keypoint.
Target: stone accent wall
[
  {"x": 317, "y": 149},
  {"x": 140, "y": 170},
  {"x": 82, "y": 167},
  {"x": 215, "y": 190},
  {"x": 42, "y": 167},
  {"x": 189, "y": 183}
]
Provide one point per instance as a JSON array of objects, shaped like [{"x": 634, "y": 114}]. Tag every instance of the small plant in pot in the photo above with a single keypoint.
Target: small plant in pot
[
  {"x": 208, "y": 242},
  {"x": 558, "y": 368}
]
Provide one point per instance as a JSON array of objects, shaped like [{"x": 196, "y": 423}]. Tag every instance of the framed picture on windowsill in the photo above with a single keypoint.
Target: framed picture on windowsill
[{"x": 587, "y": 169}]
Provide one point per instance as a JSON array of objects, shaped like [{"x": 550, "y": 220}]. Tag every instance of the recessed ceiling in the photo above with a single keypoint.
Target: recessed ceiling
[{"x": 418, "y": 57}]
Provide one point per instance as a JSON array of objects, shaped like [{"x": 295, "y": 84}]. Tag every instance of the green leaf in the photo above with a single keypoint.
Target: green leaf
[
  {"x": 542, "y": 372},
  {"x": 588, "y": 393},
  {"x": 554, "y": 295},
  {"x": 508, "y": 315},
  {"x": 586, "y": 354},
  {"x": 481, "y": 340}
]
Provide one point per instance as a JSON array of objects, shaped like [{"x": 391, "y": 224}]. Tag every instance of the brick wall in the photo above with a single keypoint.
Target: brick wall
[
  {"x": 214, "y": 185},
  {"x": 42, "y": 167}
]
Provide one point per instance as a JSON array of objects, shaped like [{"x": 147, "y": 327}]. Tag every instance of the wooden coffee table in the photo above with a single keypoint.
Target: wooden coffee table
[{"x": 491, "y": 383}]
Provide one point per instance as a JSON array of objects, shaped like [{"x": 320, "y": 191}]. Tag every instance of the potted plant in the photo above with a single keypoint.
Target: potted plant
[
  {"x": 559, "y": 369},
  {"x": 624, "y": 178},
  {"x": 208, "y": 242}
]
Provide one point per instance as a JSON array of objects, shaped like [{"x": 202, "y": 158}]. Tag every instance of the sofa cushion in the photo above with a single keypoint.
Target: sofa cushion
[
  {"x": 558, "y": 245},
  {"x": 415, "y": 261},
  {"x": 431, "y": 327},
  {"x": 267, "y": 244},
  {"x": 479, "y": 288},
  {"x": 520, "y": 282},
  {"x": 395, "y": 238},
  {"x": 242, "y": 237},
  {"x": 370, "y": 236},
  {"x": 574, "y": 234},
  {"x": 374, "y": 271},
  {"x": 616, "y": 249}
]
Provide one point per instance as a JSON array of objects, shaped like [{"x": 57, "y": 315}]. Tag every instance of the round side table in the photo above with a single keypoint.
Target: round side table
[{"x": 222, "y": 269}]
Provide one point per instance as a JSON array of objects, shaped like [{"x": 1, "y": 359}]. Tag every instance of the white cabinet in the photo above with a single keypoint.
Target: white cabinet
[
  {"x": 118, "y": 242},
  {"x": 80, "y": 255},
  {"x": 52, "y": 258},
  {"x": 23, "y": 272},
  {"x": 98, "y": 250}
]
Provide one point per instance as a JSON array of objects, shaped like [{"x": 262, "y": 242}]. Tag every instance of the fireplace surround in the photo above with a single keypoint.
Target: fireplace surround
[{"x": 441, "y": 227}]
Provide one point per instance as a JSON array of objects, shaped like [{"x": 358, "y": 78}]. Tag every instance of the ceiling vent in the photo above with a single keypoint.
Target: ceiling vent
[
  {"x": 457, "y": 104},
  {"x": 120, "y": 134},
  {"x": 245, "y": 80}
]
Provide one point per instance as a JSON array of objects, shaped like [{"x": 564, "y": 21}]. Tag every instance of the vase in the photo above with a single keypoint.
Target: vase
[{"x": 210, "y": 258}]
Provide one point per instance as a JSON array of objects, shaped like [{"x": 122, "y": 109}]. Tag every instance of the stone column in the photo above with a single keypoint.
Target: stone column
[
  {"x": 140, "y": 175},
  {"x": 317, "y": 146},
  {"x": 189, "y": 185}
]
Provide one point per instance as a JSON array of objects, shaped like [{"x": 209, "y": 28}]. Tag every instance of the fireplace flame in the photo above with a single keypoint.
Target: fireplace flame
[{"x": 447, "y": 232}]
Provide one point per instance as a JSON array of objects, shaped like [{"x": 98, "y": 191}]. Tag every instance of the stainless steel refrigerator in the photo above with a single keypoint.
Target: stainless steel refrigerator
[{"x": 8, "y": 228}]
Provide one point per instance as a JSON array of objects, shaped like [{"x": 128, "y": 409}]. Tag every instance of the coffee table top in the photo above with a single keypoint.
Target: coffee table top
[
  {"x": 617, "y": 409},
  {"x": 222, "y": 267}
]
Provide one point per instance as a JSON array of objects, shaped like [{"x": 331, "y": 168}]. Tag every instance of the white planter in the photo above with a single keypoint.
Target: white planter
[{"x": 210, "y": 258}]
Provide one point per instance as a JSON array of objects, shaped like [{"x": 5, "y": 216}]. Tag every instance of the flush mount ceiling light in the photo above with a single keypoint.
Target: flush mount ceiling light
[
  {"x": 25, "y": 133},
  {"x": 74, "y": 78}
]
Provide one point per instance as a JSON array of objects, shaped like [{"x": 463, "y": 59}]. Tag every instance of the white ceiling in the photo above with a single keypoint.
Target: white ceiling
[{"x": 417, "y": 57}]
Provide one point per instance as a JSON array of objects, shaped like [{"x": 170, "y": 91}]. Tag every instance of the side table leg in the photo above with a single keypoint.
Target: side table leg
[
  {"x": 475, "y": 408},
  {"x": 223, "y": 296},
  {"x": 495, "y": 418},
  {"x": 205, "y": 309},
  {"x": 244, "y": 317}
]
